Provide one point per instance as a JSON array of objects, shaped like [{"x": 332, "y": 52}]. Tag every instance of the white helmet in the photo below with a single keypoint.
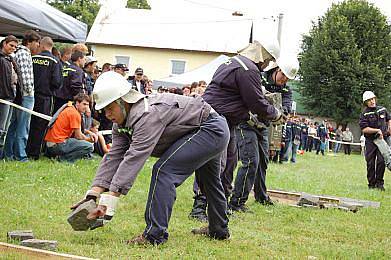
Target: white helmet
[
  {"x": 111, "y": 86},
  {"x": 289, "y": 65},
  {"x": 367, "y": 95}
]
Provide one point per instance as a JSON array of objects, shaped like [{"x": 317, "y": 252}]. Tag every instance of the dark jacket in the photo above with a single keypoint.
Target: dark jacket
[
  {"x": 132, "y": 80},
  {"x": 47, "y": 73},
  {"x": 375, "y": 117},
  {"x": 286, "y": 91},
  {"x": 74, "y": 82},
  {"x": 321, "y": 132},
  {"x": 7, "y": 92},
  {"x": 235, "y": 90}
]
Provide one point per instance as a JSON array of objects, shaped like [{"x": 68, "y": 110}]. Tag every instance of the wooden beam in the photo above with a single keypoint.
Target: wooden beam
[
  {"x": 33, "y": 253},
  {"x": 293, "y": 197}
]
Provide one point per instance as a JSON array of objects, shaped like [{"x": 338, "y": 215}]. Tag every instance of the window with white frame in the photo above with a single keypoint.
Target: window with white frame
[
  {"x": 178, "y": 67},
  {"x": 122, "y": 59}
]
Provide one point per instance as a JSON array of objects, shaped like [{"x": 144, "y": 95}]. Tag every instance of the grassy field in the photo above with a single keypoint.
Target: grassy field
[{"x": 37, "y": 196}]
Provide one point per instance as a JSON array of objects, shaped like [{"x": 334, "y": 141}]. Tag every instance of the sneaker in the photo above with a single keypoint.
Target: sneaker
[
  {"x": 203, "y": 231},
  {"x": 139, "y": 240}
]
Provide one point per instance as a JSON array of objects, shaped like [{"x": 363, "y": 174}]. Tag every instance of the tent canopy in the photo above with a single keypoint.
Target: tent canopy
[
  {"x": 204, "y": 72},
  {"x": 18, "y": 16}
]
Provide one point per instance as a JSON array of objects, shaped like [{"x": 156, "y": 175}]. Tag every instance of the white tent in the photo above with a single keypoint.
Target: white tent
[
  {"x": 204, "y": 72},
  {"x": 18, "y": 16}
]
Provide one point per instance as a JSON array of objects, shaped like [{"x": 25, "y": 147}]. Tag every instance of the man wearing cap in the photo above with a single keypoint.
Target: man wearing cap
[
  {"x": 179, "y": 131},
  {"x": 121, "y": 69},
  {"x": 137, "y": 81},
  {"x": 89, "y": 68},
  {"x": 236, "y": 90},
  {"x": 375, "y": 123}
]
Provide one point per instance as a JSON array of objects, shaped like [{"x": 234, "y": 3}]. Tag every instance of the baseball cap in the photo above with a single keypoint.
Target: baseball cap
[
  {"x": 121, "y": 66},
  {"x": 139, "y": 71},
  {"x": 90, "y": 59}
]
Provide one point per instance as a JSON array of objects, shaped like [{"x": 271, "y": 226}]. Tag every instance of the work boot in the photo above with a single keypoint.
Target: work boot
[
  {"x": 266, "y": 202},
  {"x": 239, "y": 208},
  {"x": 198, "y": 211},
  {"x": 204, "y": 231},
  {"x": 380, "y": 187},
  {"x": 139, "y": 240}
]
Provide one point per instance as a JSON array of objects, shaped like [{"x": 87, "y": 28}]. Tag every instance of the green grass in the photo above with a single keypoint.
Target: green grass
[{"x": 37, "y": 196}]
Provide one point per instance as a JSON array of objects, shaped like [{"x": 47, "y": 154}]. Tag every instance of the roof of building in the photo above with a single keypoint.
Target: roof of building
[{"x": 144, "y": 28}]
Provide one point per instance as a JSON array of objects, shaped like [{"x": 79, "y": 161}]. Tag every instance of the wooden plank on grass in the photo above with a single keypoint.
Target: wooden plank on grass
[
  {"x": 33, "y": 253},
  {"x": 289, "y": 196}
]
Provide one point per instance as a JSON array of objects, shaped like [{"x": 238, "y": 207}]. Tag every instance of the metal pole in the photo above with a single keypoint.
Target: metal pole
[{"x": 280, "y": 16}]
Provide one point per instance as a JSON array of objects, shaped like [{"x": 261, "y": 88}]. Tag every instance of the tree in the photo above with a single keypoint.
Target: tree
[
  {"x": 82, "y": 10},
  {"x": 138, "y": 4},
  {"x": 347, "y": 52}
]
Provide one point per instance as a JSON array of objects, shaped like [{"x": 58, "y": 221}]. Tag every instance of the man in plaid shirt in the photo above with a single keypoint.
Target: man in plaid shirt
[{"x": 18, "y": 131}]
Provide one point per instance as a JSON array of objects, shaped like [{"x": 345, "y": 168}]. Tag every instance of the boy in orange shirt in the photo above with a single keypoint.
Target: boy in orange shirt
[{"x": 64, "y": 138}]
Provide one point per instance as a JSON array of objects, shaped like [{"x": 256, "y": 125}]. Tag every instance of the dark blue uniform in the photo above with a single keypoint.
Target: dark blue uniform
[
  {"x": 320, "y": 144},
  {"x": 235, "y": 90},
  {"x": 374, "y": 117},
  {"x": 47, "y": 78}
]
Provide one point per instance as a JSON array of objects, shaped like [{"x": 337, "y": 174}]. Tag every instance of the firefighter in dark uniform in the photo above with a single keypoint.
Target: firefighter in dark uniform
[
  {"x": 253, "y": 139},
  {"x": 375, "y": 122},
  {"x": 47, "y": 78},
  {"x": 234, "y": 91},
  {"x": 74, "y": 80}
]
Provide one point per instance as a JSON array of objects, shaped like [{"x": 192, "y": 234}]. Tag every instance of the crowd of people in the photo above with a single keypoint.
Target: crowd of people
[{"x": 198, "y": 128}]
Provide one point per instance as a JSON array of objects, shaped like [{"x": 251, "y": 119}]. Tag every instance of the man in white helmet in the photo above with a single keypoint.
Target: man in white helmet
[
  {"x": 375, "y": 123},
  {"x": 253, "y": 138},
  {"x": 185, "y": 133},
  {"x": 236, "y": 90}
]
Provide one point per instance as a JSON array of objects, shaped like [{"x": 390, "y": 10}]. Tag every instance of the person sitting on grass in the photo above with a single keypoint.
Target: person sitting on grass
[
  {"x": 64, "y": 138},
  {"x": 100, "y": 147}
]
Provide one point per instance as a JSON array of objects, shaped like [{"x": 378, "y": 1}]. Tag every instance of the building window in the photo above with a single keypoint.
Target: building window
[
  {"x": 122, "y": 59},
  {"x": 177, "y": 67}
]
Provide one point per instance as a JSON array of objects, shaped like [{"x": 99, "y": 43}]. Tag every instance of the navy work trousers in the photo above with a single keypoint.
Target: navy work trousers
[
  {"x": 375, "y": 164},
  {"x": 198, "y": 151},
  {"x": 253, "y": 148}
]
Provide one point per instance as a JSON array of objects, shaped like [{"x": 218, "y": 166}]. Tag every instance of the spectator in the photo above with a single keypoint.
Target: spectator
[
  {"x": 47, "y": 78},
  {"x": 65, "y": 124},
  {"x": 56, "y": 53},
  {"x": 121, "y": 69},
  {"x": 80, "y": 47},
  {"x": 303, "y": 135},
  {"x": 89, "y": 67},
  {"x": 193, "y": 86},
  {"x": 10, "y": 84},
  {"x": 323, "y": 136},
  {"x": 186, "y": 90},
  {"x": 100, "y": 147},
  {"x": 137, "y": 80},
  {"x": 362, "y": 144},
  {"x": 18, "y": 131},
  {"x": 311, "y": 137},
  {"x": 162, "y": 89},
  {"x": 66, "y": 53},
  {"x": 149, "y": 87},
  {"x": 347, "y": 136},
  {"x": 338, "y": 138},
  {"x": 106, "y": 67}
]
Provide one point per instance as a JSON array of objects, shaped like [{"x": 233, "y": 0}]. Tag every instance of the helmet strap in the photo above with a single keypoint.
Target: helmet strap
[{"x": 121, "y": 104}]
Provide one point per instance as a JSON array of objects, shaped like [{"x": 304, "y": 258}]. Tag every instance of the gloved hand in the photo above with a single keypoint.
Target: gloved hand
[
  {"x": 90, "y": 195},
  {"x": 104, "y": 212},
  {"x": 280, "y": 118}
]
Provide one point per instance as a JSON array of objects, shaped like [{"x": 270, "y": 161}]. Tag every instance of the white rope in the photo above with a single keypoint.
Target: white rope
[
  {"x": 335, "y": 141},
  {"x": 43, "y": 116}
]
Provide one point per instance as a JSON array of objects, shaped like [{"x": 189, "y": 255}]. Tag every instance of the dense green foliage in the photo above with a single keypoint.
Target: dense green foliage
[
  {"x": 347, "y": 52},
  {"x": 138, "y": 4},
  {"x": 37, "y": 196},
  {"x": 82, "y": 10}
]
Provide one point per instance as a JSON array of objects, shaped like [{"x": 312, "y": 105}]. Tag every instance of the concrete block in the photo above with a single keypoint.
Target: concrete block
[
  {"x": 78, "y": 218},
  {"x": 40, "y": 244},
  {"x": 20, "y": 235}
]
